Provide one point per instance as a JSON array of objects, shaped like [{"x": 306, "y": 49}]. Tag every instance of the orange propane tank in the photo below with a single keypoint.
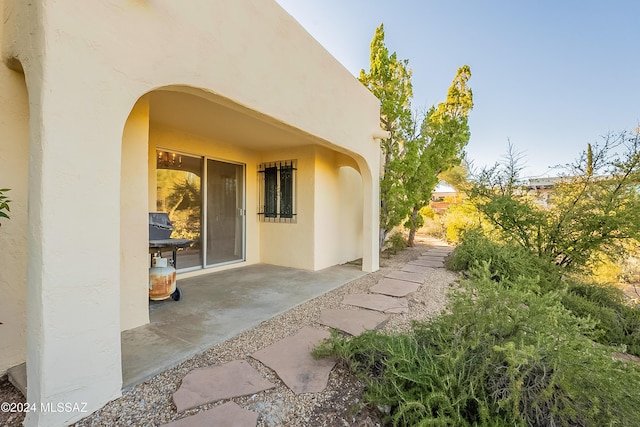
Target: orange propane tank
[{"x": 162, "y": 279}]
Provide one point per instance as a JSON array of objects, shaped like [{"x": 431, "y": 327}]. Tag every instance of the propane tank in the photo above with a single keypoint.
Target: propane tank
[{"x": 162, "y": 279}]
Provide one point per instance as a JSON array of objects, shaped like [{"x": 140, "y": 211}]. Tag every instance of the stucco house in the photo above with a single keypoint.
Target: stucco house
[{"x": 105, "y": 108}]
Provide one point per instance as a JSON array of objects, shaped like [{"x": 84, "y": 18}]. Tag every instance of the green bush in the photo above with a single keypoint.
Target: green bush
[
  {"x": 461, "y": 218},
  {"x": 518, "y": 345},
  {"x": 499, "y": 356},
  {"x": 506, "y": 262},
  {"x": 584, "y": 217},
  {"x": 396, "y": 242},
  {"x": 617, "y": 322}
]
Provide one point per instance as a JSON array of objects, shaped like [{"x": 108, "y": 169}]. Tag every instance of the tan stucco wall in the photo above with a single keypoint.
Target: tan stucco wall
[
  {"x": 349, "y": 234},
  {"x": 291, "y": 244},
  {"x": 134, "y": 226},
  {"x": 338, "y": 211},
  {"x": 14, "y": 168},
  {"x": 329, "y": 220},
  {"x": 86, "y": 64}
]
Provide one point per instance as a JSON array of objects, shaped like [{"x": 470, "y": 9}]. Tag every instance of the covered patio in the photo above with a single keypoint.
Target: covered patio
[{"x": 216, "y": 307}]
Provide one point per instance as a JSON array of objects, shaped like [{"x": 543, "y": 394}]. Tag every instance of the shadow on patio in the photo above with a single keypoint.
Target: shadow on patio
[{"x": 216, "y": 307}]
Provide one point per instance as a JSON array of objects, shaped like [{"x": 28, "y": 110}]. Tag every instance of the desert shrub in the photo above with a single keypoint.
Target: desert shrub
[
  {"x": 593, "y": 208},
  {"x": 432, "y": 223},
  {"x": 498, "y": 356},
  {"x": 623, "y": 269},
  {"x": 428, "y": 213},
  {"x": 505, "y": 261},
  {"x": 618, "y": 323},
  {"x": 396, "y": 242},
  {"x": 603, "y": 270},
  {"x": 461, "y": 218}
]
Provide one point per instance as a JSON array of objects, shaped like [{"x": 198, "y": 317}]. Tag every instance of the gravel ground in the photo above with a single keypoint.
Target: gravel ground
[{"x": 150, "y": 403}]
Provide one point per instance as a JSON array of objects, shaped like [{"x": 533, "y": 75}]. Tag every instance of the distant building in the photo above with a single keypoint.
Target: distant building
[
  {"x": 445, "y": 196},
  {"x": 541, "y": 188}
]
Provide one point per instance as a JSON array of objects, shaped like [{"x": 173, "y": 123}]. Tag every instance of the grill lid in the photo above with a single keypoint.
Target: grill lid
[
  {"x": 160, "y": 226},
  {"x": 160, "y": 219}
]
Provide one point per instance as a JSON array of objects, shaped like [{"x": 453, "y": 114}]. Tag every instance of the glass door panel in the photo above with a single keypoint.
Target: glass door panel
[
  {"x": 178, "y": 189},
  {"x": 225, "y": 212}
]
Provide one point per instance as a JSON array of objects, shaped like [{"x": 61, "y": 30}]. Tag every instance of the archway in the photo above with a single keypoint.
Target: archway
[{"x": 14, "y": 233}]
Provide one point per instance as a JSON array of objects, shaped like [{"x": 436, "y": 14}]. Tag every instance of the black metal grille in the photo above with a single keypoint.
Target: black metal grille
[{"x": 277, "y": 191}]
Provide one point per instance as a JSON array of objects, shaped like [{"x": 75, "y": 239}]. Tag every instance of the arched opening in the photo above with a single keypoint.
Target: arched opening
[
  {"x": 14, "y": 175},
  {"x": 134, "y": 276},
  {"x": 350, "y": 231},
  {"x": 201, "y": 158}
]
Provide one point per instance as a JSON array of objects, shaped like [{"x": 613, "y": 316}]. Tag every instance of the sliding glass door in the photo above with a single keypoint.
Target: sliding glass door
[
  {"x": 186, "y": 184},
  {"x": 225, "y": 212}
]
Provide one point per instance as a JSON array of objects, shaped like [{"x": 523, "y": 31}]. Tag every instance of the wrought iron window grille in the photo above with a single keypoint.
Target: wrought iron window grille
[{"x": 277, "y": 191}]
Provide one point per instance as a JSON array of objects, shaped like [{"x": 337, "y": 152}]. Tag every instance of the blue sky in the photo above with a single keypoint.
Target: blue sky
[{"x": 550, "y": 76}]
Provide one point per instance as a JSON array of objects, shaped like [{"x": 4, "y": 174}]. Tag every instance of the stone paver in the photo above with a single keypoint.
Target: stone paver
[
  {"x": 353, "y": 322},
  {"x": 207, "y": 385},
  {"x": 381, "y": 303},
  {"x": 228, "y": 414},
  {"x": 394, "y": 287},
  {"x": 405, "y": 275},
  {"x": 443, "y": 252},
  {"x": 433, "y": 256},
  {"x": 291, "y": 359},
  {"x": 427, "y": 263},
  {"x": 409, "y": 268}
]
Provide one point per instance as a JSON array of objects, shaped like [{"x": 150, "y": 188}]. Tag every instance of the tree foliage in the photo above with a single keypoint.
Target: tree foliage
[
  {"x": 389, "y": 79},
  {"x": 413, "y": 156},
  {"x": 440, "y": 146},
  {"x": 593, "y": 208},
  {"x": 457, "y": 177}
]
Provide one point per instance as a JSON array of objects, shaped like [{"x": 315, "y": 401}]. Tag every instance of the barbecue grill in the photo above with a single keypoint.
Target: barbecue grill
[
  {"x": 160, "y": 226},
  {"x": 162, "y": 274}
]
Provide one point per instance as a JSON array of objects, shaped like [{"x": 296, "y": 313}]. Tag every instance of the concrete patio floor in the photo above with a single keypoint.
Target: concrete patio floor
[{"x": 216, "y": 307}]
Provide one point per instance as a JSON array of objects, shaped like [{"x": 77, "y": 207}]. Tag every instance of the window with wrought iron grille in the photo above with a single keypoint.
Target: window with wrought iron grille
[{"x": 277, "y": 191}]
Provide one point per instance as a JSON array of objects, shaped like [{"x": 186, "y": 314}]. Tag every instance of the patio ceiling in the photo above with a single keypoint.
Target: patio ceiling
[{"x": 230, "y": 123}]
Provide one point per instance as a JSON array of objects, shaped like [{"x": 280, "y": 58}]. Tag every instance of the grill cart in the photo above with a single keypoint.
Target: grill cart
[{"x": 162, "y": 273}]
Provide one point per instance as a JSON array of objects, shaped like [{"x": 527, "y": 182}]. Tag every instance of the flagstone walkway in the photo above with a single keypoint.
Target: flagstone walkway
[{"x": 291, "y": 358}]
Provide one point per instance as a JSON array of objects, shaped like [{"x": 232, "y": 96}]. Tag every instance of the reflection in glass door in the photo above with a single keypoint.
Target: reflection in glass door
[
  {"x": 225, "y": 212},
  {"x": 178, "y": 190}
]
